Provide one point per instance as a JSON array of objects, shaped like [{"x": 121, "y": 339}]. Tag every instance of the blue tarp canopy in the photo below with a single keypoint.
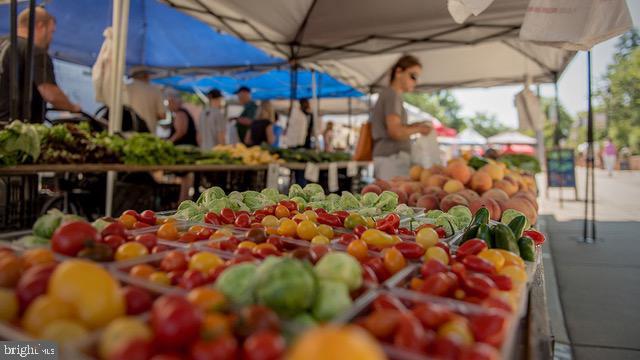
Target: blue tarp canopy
[
  {"x": 274, "y": 84},
  {"x": 158, "y": 36}
]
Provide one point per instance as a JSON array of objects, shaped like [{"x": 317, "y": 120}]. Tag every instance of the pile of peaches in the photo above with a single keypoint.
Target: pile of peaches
[{"x": 493, "y": 186}]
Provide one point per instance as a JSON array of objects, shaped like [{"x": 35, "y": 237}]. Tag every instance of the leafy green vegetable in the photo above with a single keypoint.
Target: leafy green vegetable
[
  {"x": 404, "y": 210},
  {"x": 332, "y": 299},
  {"x": 286, "y": 285},
  {"x": 47, "y": 224},
  {"x": 210, "y": 194},
  {"x": 387, "y": 201},
  {"x": 462, "y": 214},
  {"x": 19, "y": 143},
  {"x": 348, "y": 201},
  {"x": 31, "y": 241},
  {"x": 295, "y": 190},
  {"x": 237, "y": 283},
  {"x": 448, "y": 223},
  {"x": 302, "y": 203},
  {"x": 341, "y": 267},
  {"x": 272, "y": 194},
  {"x": 434, "y": 214},
  {"x": 369, "y": 199}
]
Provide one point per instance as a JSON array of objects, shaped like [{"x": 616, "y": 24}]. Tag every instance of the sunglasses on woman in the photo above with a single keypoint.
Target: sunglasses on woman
[{"x": 413, "y": 76}]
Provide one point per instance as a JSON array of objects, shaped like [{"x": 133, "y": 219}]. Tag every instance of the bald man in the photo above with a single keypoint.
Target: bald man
[{"x": 45, "y": 89}]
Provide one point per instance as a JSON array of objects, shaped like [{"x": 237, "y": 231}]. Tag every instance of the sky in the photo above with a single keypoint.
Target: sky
[{"x": 572, "y": 85}]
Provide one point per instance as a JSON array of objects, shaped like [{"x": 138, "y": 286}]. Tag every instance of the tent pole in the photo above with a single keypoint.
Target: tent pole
[
  {"x": 590, "y": 170},
  {"x": 28, "y": 67},
  {"x": 13, "y": 76},
  {"x": 314, "y": 97},
  {"x": 350, "y": 109},
  {"x": 539, "y": 135}
]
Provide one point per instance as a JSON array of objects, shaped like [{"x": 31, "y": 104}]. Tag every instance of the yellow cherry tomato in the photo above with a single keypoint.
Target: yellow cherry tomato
[
  {"x": 358, "y": 249},
  {"x": 378, "y": 238},
  {"x": 311, "y": 215},
  {"x": 204, "y": 261},
  {"x": 142, "y": 271},
  {"x": 9, "y": 307},
  {"x": 511, "y": 258},
  {"x": 65, "y": 331},
  {"x": 287, "y": 227},
  {"x": 457, "y": 330},
  {"x": 301, "y": 217},
  {"x": 195, "y": 228},
  {"x": 369, "y": 222},
  {"x": 130, "y": 250},
  {"x": 127, "y": 220},
  {"x": 160, "y": 277},
  {"x": 207, "y": 298},
  {"x": 282, "y": 212},
  {"x": 306, "y": 230},
  {"x": 44, "y": 310},
  {"x": 494, "y": 257},
  {"x": 272, "y": 231},
  {"x": 516, "y": 273},
  {"x": 393, "y": 260},
  {"x": 220, "y": 233},
  {"x": 436, "y": 253},
  {"x": 121, "y": 331},
  {"x": 320, "y": 240},
  {"x": 247, "y": 244},
  {"x": 270, "y": 221},
  {"x": 168, "y": 231},
  {"x": 326, "y": 230},
  {"x": 427, "y": 237}
]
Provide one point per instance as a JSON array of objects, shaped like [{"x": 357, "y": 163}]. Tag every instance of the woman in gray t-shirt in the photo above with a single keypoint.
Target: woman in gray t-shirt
[{"x": 389, "y": 128}]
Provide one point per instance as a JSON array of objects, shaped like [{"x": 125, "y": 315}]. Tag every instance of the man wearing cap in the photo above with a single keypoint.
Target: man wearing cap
[
  {"x": 144, "y": 98},
  {"x": 45, "y": 89},
  {"x": 212, "y": 127},
  {"x": 243, "y": 122}
]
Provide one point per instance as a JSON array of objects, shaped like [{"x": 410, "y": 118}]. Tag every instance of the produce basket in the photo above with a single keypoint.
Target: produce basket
[{"x": 19, "y": 201}]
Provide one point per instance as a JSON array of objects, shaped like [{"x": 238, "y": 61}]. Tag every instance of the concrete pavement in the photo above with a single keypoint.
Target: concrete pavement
[{"x": 594, "y": 296}]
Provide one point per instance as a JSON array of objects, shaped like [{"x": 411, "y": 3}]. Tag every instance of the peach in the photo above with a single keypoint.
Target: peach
[
  {"x": 524, "y": 207},
  {"x": 413, "y": 199},
  {"x": 526, "y": 196},
  {"x": 424, "y": 176},
  {"x": 371, "y": 188},
  {"x": 459, "y": 171},
  {"x": 384, "y": 185},
  {"x": 494, "y": 208},
  {"x": 429, "y": 202},
  {"x": 468, "y": 194},
  {"x": 437, "y": 180},
  {"x": 496, "y": 194},
  {"x": 452, "y": 186},
  {"x": 402, "y": 195},
  {"x": 437, "y": 169},
  {"x": 481, "y": 182},
  {"x": 495, "y": 171},
  {"x": 506, "y": 186},
  {"x": 415, "y": 172},
  {"x": 452, "y": 200}
]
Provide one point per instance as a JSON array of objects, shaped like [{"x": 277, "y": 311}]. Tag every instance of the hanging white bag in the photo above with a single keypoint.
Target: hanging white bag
[{"x": 425, "y": 150}]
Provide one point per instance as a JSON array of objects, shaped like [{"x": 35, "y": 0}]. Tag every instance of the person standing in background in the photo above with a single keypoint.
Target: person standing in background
[
  {"x": 389, "y": 128},
  {"x": 212, "y": 127},
  {"x": 45, "y": 89},
  {"x": 144, "y": 98},
  {"x": 261, "y": 131},
  {"x": 609, "y": 156},
  {"x": 183, "y": 128},
  {"x": 305, "y": 106},
  {"x": 328, "y": 137},
  {"x": 243, "y": 122}
]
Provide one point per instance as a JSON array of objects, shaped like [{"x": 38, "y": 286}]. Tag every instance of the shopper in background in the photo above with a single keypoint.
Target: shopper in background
[
  {"x": 243, "y": 122},
  {"x": 45, "y": 89},
  {"x": 389, "y": 128},
  {"x": 327, "y": 136},
  {"x": 144, "y": 98},
  {"x": 212, "y": 127},
  {"x": 609, "y": 156},
  {"x": 183, "y": 128},
  {"x": 261, "y": 130},
  {"x": 305, "y": 106}
]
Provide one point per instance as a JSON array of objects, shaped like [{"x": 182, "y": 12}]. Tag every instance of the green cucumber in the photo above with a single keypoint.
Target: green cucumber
[
  {"x": 504, "y": 238},
  {"x": 517, "y": 225},
  {"x": 527, "y": 248},
  {"x": 484, "y": 233},
  {"x": 481, "y": 216},
  {"x": 470, "y": 233}
]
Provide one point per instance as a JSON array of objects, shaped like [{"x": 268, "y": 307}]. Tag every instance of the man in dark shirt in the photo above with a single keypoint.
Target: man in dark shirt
[
  {"x": 306, "y": 109},
  {"x": 44, "y": 81},
  {"x": 243, "y": 122}
]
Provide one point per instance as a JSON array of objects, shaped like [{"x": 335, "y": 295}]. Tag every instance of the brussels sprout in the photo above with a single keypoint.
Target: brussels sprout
[
  {"x": 369, "y": 212},
  {"x": 387, "y": 201},
  {"x": 286, "y": 285},
  {"x": 272, "y": 194},
  {"x": 433, "y": 214},
  {"x": 302, "y": 203},
  {"x": 296, "y": 190},
  {"x": 31, "y": 241},
  {"x": 332, "y": 299},
  {"x": 403, "y": 210},
  {"x": 313, "y": 189},
  {"x": 348, "y": 201},
  {"x": 255, "y": 200},
  {"x": 448, "y": 223},
  {"x": 237, "y": 283},
  {"x": 342, "y": 267},
  {"x": 217, "y": 205},
  {"x": 462, "y": 214},
  {"x": 211, "y": 194},
  {"x": 47, "y": 224},
  {"x": 369, "y": 199},
  {"x": 188, "y": 209}
]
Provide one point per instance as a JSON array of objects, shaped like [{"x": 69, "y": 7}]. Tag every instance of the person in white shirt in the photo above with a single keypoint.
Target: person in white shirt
[
  {"x": 212, "y": 126},
  {"x": 145, "y": 99}
]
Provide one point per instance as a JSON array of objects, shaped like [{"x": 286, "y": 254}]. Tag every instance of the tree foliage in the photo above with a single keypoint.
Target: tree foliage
[
  {"x": 486, "y": 124},
  {"x": 442, "y": 105},
  {"x": 561, "y": 130},
  {"x": 621, "y": 96}
]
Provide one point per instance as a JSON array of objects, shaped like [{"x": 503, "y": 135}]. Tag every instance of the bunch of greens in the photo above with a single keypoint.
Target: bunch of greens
[
  {"x": 523, "y": 162},
  {"x": 20, "y": 143},
  {"x": 309, "y": 155},
  {"x": 76, "y": 144},
  {"x": 146, "y": 149}
]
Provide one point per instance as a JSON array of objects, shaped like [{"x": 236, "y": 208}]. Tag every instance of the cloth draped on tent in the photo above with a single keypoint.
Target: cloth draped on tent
[{"x": 511, "y": 138}]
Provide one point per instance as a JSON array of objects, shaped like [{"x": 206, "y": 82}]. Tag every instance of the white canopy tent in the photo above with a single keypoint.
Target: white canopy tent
[
  {"x": 357, "y": 40},
  {"x": 330, "y": 106},
  {"x": 469, "y": 136},
  {"x": 511, "y": 138}
]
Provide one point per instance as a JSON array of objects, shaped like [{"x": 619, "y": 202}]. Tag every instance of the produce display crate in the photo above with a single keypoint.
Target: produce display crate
[{"x": 19, "y": 201}]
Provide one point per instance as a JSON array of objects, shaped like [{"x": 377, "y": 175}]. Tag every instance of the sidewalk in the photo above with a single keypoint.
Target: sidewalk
[{"x": 598, "y": 285}]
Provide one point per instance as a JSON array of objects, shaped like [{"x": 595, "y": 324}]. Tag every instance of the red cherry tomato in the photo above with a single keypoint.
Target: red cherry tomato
[
  {"x": 264, "y": 345},
  {"x": 444, "y": 348},
  {"x": 175, "y": 321},
  {"x": 342, "y": 215},
  {"x": 441, "y": 233},
  {"x": 432, "y": 315},
  {"x": 538, "y": 237},
  {"x": 137, "y": 300},
  {"x": 387, "y": 301},
  {"x": 132, "y": 213},
  {"x": 191, "y": 279},
  {"x": 329, "y": 219},
  {"x": 440, "y": 284},
  {"x": 432, "y": 267},
  {"x": 188, "y": 238},
  {"x": 411, "y": 336},
  {"x": 478, "y": 264},
  {"x": 221, "y": 348},
  {"x": 33, "y": 283},
  {"x": 359, "y": 230},
  {"x": 148, "y": 216},
  {"x": 477, "y": 285},
  {"x": 488, "y": 328},
  {"x": 410, "y": 250},
  {"x": 204, "y": 233},
  {"x": 243, "y": 221},
  {"x": 377, "y": 265},
  {"x": 503, "y": 282},
  {"x": 405, "y": 231},
  {"x": 71, "y": 237},
  {"x": 115, "y": 228},
  {"x": 114, "y": 241},
  {"x": 346, "y": 239},
  {"x": 140, "y": 225},
  {"x": 227, "y": 216},
  {"x": 148, "y": 240},
  {"x": 470, "y": 247},
  {"x": 382, "y": 323},
  {"x": 212, "y": 218},
  {"x": 174, "y": 260}
]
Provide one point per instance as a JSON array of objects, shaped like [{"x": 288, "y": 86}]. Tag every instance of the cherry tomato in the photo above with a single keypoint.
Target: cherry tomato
[
  {"x": 282, "y": 212},
  {"x": 290, "y": 205},
  {"x": 494, "y": 257},
  {"x": 307, "y": 230},
  {"x": 441, "y": 233},
  {"x": 221, "y": 348},
  {"x": 188, "y": 238},
  {"x": 142, "y": 271},
  {"x": 264, "y": 345},
  {"x": 168, "y": 231},
  {"x": 137, "y": 300},
  {"x": 377, "y": 265},
  {"x": 227, "y": 216},
  {"x": 148, "y": 216},
  {"x": 503, "y": 282},
  {"x": 432, "y": 267},
  {"x": 204, "y": 233},
  {"x": 478, "y": 285},
  {"x": 342, "y": 215},
  {"x": 159, "y": 248},
  {"x": 416, "y": 283},
  {"x": 359, "y": 230},
  {"x": 378, "y": 238},
  {"x": 130, "y": 250},
  {"x": 538, "y": 237},
  {"x": 405, "y": 231},
  {"x": 114, "y": 241},
  {"x": 243, "y": 221},
  {"x": 470, "y": 247},
  {"x": 287, "y": 227},
  {"x": 277, "y": 242},
  {"x": 411, "y": 336},
  {"x": 436, "y": 253},
  {"x": 388, "y": 301},
  {"x": 457, "y": 330},
  {"x": 393, "y": 260},
  {"x": 127, "y": 220},
  {"x": 174, "y": 260},
  {"x": 160, "y": 277},
  {"x": 440, "y": 284},
  {"x": 270, "y": 221},
  {"x": 382, "y": 323},
  {"x": 33, "y": 282},
  {"x": 320, "y": 240},
  {"x": 358, "y": 249},
  {"x": 478, "y": 264},
  {"x": 148, "y": 240},
  {"x": 115, "y": 228},
  {"x": 410, "y": 250},
  {"x": 479, "y": 351},
  {"x": 229, "y": 244},
  {"x": 71, "y": 237},
  {"x": 488, "y": 328},
  {"x": 191, "y": 279},
  {"x": 329, "y": 219},
  {"x": 316, "y": 252},
  {"x": 516, "y": 273},
  {"x": 432, "y": 316},
  {"x": 346, "y": 239},
  {"x": 204, "y": 261},
  {"x": 212, "y": 218},
  {"x": 427, "y": 237},
  {"x": 445, "y": 348}
]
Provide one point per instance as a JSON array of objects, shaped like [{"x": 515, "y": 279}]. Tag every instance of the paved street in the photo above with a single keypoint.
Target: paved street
[{"x": 593, "y": 297}]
